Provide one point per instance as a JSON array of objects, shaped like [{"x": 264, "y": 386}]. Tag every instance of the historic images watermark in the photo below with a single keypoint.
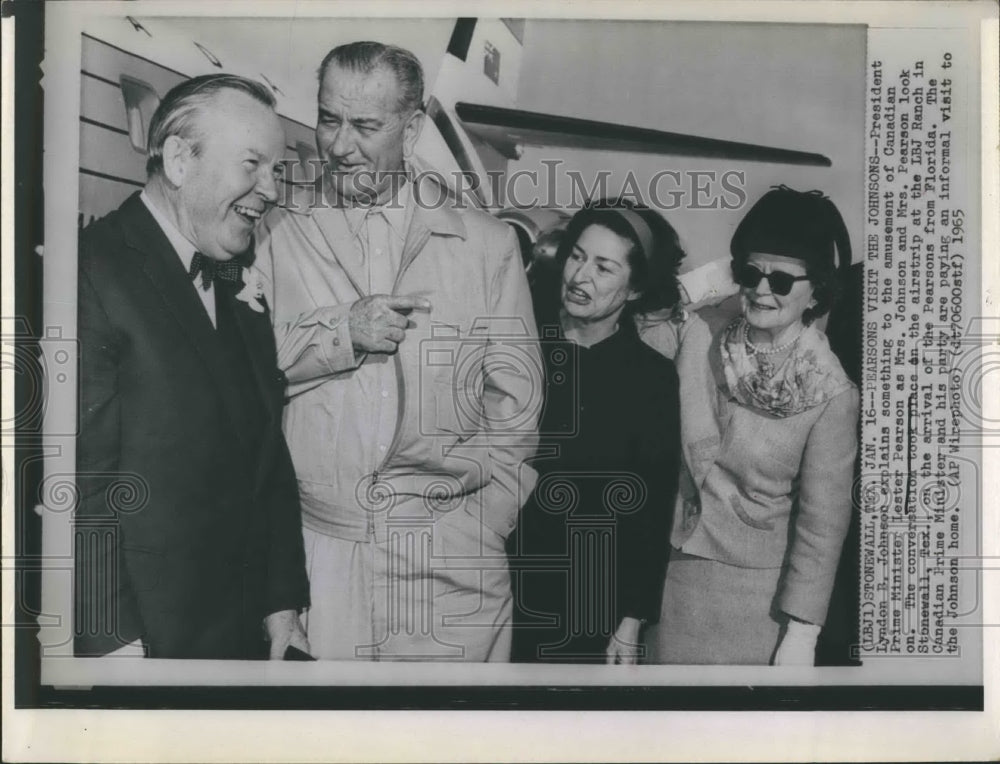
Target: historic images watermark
[{"x": 666, "y": 190}]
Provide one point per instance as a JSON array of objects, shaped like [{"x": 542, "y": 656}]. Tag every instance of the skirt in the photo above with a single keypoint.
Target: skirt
[{"x": 714, "y": 613}]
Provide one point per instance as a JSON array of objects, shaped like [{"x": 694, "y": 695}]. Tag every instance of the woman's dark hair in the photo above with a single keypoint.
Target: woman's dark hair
[
  {"x": 804, "y": 225},
  {"x": 653, "y": 272}
]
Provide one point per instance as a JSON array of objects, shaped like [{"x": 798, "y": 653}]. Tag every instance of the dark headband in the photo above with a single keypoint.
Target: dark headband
[{"x": 641, "y": 230}]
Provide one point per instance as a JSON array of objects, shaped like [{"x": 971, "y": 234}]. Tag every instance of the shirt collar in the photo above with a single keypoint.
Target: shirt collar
[
  {"x": 434, "y": 215},
  {"x": 395, "y": 213},
  {"x": 182, "y": 246}
]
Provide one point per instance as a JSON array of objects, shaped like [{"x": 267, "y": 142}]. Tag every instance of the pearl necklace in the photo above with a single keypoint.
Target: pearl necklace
[{"x": 773, "y": 350}]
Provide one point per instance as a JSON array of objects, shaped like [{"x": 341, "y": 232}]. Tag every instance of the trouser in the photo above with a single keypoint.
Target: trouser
[{"x": 434, "y": 592}]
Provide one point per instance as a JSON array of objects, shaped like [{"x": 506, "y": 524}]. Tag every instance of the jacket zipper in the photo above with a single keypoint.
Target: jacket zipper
[{"x": 371, "y": 517}]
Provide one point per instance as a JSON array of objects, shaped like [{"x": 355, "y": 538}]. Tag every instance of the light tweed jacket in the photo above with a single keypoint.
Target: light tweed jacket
[{"x": 764, "y": 492}]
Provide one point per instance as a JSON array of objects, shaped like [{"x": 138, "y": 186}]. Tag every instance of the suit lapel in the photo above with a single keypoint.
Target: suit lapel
[
  {"x": 255, "y": 333},
  {"x": 165, "y": 271}
]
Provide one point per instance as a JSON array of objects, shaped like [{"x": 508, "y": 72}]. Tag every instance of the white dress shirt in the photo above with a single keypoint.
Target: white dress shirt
[{"x": 185, "y": 251}]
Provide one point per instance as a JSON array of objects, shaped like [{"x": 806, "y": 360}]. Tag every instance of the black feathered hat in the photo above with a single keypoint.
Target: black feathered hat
[{"x": 804, "y": 225}]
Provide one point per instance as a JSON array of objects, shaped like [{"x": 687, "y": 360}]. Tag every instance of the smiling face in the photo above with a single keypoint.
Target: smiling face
[
  {"x": 226, "y": 179},
  {"x": 596, "y": 276},
  {"x": 361, "y": 132},
  {"x": 776, "y": 317}
]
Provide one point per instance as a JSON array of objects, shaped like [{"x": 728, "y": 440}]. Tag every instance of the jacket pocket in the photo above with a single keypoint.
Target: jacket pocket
[
  {"x": 457, "y": 410},
  {"x": 761, "y": 524},
  {"x": 450, "y": 380},
  {"x": 464, "y": 534}
]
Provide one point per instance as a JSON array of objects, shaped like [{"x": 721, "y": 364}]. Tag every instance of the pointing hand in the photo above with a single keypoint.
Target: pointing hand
[{"x": 378, "y": 322}]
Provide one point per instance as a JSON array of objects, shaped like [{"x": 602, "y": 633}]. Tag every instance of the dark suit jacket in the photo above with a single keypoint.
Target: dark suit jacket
[{"x": 188, "y": 527}]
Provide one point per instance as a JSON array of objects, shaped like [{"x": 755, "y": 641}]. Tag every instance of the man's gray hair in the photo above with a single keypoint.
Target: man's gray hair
[
  {"x": 367, "y": 56},
  {"x": 178, "y": 112}
]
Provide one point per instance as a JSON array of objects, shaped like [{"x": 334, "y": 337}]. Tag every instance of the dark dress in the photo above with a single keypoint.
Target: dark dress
[{"x": 591, "y": 543}]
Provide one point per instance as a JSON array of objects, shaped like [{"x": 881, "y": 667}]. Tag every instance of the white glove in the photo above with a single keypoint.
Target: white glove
[{"x": 798, "y": 646}]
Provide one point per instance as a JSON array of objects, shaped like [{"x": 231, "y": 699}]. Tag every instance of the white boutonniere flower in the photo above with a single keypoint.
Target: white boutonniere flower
[{"x": 253, "y": 289}]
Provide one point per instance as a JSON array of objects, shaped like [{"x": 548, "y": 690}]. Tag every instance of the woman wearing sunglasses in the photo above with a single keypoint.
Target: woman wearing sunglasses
[
  {"x": 770, "y": 436},
  {"x": 589, "y": 552}
]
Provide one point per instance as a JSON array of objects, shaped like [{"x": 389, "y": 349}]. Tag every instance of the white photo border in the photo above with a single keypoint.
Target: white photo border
[{"x": 515, "y": 735}]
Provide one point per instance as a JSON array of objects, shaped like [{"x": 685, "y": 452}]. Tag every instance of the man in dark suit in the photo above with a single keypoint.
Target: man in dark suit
[{"x": 200, "y": 556}]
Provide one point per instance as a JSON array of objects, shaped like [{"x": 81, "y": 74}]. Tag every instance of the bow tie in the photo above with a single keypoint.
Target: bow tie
[{"x": 213, "y": 270}]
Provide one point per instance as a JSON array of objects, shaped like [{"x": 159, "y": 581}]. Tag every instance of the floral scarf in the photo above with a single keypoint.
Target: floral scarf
[{"x": 809, "y": 375}]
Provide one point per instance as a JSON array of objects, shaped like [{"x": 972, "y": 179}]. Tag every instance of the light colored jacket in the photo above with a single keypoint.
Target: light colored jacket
[
  {"x": 766, "y": 491},
  {"x": 468, "y": 372}
]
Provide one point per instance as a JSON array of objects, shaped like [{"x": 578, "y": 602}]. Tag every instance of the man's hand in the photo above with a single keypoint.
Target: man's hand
[
  {"x": 284, "y": 629},
  {"x": 798, "y": 646},
  {"x": 624, "y": 646},
  {"x": 378, "y": 322}
]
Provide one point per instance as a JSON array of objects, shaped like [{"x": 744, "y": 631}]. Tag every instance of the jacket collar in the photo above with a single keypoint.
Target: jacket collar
[
  {"x": 434, "y": 213},
  {"x": 182, "y": 246},
  {"x": 435, "y": 208}
]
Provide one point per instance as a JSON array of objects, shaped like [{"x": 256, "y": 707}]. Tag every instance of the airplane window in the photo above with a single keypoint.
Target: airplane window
[{"x": 141, "y": 101}]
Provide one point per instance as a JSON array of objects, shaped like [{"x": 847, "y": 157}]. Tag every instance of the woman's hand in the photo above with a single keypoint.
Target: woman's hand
[
  {"x": 624, "y": 646},
  {"x": 798, "y": 646}
]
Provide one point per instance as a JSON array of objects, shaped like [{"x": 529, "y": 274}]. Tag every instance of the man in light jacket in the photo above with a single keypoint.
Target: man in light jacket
[{"x": 404, "y": 326}]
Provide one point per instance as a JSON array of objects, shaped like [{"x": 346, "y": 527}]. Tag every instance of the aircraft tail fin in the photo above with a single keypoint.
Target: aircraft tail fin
[{"x": 482, "y": 63}]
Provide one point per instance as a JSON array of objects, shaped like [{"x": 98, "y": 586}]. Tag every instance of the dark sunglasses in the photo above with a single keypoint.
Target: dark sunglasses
[{"x": 781, "y": 283}]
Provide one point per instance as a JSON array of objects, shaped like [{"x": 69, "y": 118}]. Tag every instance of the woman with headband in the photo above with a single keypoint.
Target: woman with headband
[
  {"x": 589, "y": 553},
  {"x": 770, "y": 438}
]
